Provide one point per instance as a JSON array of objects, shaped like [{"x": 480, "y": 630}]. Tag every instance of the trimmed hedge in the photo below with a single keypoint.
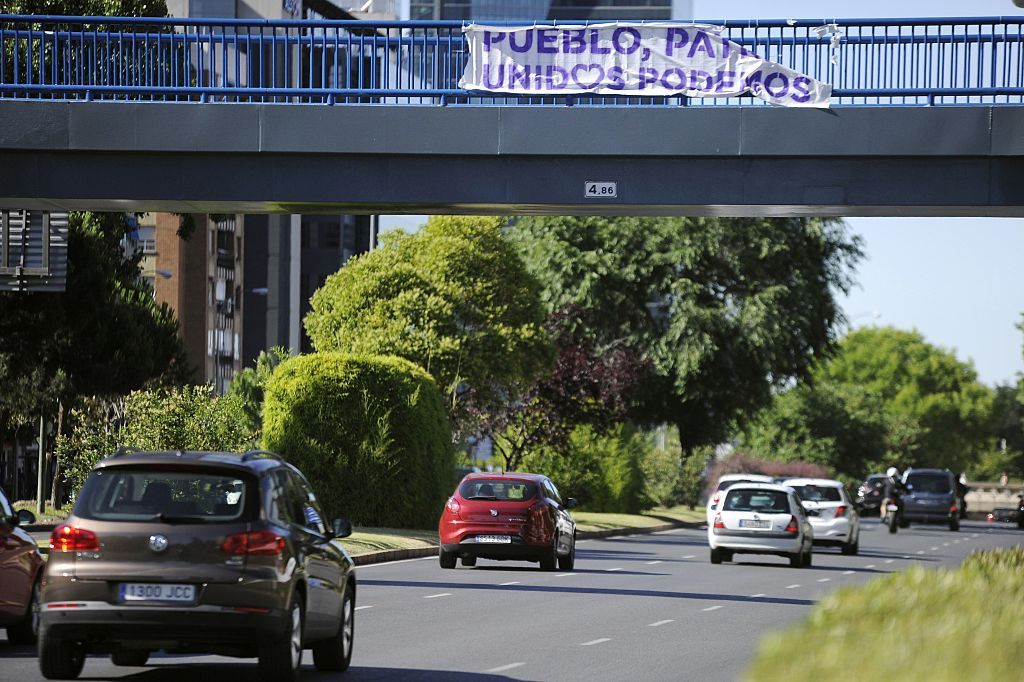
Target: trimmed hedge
[
  {"x": 934, "y": 625},
  {"x": 369, "y": 432}
]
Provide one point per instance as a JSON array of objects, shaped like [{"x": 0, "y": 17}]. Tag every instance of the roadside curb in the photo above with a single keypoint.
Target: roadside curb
[{"x": 388, "y": 555}]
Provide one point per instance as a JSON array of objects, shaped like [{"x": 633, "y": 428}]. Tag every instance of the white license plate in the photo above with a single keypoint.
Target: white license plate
[
  {"x": 158, "y": 592},
  {"x": 495, "y": 539},
  {"x": 751, "y": 523}
]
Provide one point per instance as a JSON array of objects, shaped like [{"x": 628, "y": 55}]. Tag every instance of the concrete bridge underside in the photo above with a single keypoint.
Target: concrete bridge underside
[{"x": 730, "y": 161}]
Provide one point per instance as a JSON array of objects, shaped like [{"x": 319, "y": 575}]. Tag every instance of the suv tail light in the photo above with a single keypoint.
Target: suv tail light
[
  {"x": 841, "y": 510},
  {"x": 65, "y": 538},
  {"x": 718, "y": 522},
  {"x": 792, "y": 527},
  {"x": 261, "y": 542},
  {"x": 714, "y": 500},
  {"x": 453, "y": 506}
]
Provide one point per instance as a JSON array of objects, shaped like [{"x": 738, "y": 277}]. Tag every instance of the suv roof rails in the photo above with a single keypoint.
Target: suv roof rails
[
  {"x": 125, "y": 450},
  {"x": 253, "y": 454}
]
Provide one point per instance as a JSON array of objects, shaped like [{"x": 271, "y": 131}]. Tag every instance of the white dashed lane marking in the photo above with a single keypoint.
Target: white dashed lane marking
[
  {"x": 711, "y": 608},
  {"x": 597, "y": 641},
  {"x": 792, "y": 587},
  {"x": 870, "y": 566},
  {"x": 435, "y": 596},
  {"x": 920, "y": 551},
  {"x": 848, "y": 572},
  {"x": 889, "y": 561},
  {"x": 614, "y": 569},
  {"x": 824, "y": 580},
  {"x": 945, "y": 544},
  {"x": 651, "y": 563},
  {"x": 690, "y": 556},
  {"x": 510, "y": 582},
  {"x": 562, "y": 575},
  {"x": 659, "y": 623},
  {"x": 755, "y": 596},
  {"x": 503, "y": 668},
  {"x": 367, "y": 606},
  {"x": 935, "y": 549}
]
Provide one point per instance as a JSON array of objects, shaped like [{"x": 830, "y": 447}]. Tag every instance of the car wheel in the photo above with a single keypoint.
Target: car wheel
[
  {"x": 808, "y": 558},
  {"x": 852, "y": 548},
  {"x": 280, "y": 660},
  {"x": 796, "y": 560},
  {"x": 568, "y": 562},
  {"x": 59, "y": 658},
  {"x": 26, "y": 630},
  {"x": 549, "y": 559},
  {"x": 130, "y": 658},
  {"x": 469, "y": 561},
  {"x": 716, "y": 555},
  {"x": 335, "y": 654},
  {"x": 954, "y": 525},
  {"x": 446, "y": 559}
]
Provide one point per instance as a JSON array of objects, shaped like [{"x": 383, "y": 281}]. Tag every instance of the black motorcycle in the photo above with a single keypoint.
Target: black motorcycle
[{"x": 892, "y": 513}]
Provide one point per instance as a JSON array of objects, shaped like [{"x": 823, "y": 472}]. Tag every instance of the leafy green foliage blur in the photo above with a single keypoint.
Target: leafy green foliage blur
[
  {"x": 603, "y": 471},
  {"x": 250, "y": 384},
  {"x": 726, "y": 311},
  {"x": 454, "y": 298},
  {"x": 937, "y": 412},
  {"x": 185, "y": 418},
  {"x": 941, "y": 625},
  {"x": 88, "y": 8},
  {"x": 369, "y": 432}
]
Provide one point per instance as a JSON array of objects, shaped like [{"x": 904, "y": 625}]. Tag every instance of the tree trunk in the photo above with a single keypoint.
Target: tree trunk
[{"x": 57, "y": 489}]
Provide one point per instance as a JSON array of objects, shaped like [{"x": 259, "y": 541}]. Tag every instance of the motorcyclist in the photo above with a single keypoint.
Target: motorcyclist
[{"x": 893, "y": 490}]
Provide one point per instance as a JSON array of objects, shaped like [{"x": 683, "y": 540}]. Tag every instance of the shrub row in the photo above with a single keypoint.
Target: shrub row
[{"x": 961, "y": 624}]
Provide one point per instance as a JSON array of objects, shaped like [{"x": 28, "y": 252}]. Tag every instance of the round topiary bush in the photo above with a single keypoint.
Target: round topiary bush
[{"x": 369, "y": 432}]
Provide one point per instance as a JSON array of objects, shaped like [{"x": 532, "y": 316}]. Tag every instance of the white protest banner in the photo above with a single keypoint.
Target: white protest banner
[{"x": 646, "y": 59}]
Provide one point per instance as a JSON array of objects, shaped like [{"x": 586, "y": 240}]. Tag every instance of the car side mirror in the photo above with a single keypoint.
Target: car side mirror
[
  {"x": 24, "y": 517},
  {"x": 570, "y": 502},
  {"x": 341, "y": 528}
]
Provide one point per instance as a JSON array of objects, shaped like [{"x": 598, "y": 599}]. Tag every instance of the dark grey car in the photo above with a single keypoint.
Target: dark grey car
[
  {"x": 931, "y": 497},
  {"x": 197, "y": 552}
]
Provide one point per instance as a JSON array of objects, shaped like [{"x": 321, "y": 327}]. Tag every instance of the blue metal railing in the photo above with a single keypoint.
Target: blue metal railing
[{"x": 875, "y": 61}]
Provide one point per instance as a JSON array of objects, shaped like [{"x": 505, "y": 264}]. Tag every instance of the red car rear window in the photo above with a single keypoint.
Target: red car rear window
[{"x": 497, "y": 489}]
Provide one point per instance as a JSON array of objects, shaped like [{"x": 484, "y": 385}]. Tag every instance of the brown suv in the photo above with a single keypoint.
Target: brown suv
[
  {"x": 21, "y": 567},
  {"x": 197, "y": 552}
]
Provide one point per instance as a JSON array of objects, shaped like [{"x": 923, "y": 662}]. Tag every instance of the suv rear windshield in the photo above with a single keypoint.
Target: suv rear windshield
[
  {"x": 722, "y": 485},
  {"x": 497, "y": 489},
  {"x": 818, "y": 493},
  {"x": 929, "y": 483},
  {"x": 763, "y": 501},
  {"x": 129, "y": 494}
]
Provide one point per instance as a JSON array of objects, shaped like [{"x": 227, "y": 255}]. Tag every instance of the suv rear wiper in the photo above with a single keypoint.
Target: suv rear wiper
[{"x": 171, "y": 518}]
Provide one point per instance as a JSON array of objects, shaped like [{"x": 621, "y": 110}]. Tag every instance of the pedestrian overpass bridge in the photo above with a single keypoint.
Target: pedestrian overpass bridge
[{"x": 367, "y": 117}]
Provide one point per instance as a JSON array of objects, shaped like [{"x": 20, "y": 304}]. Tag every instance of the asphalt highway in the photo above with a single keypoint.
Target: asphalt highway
[{"x": 643, "y": 607}]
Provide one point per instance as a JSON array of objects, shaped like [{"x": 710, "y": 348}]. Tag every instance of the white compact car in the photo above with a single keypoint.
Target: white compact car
[
  {"x": 724, "y": 482},
  {"x": 761, "y": 518},
  {"x": 831, "y": 512}
]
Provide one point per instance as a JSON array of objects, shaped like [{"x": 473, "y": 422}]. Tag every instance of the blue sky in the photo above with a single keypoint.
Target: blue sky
[{"x": 958, "y": 281}]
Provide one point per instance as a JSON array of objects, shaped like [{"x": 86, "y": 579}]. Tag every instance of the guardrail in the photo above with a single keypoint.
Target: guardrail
[{"x": 872, "y": 61}]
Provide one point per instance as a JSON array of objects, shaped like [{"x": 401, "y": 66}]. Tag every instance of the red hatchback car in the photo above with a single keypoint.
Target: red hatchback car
[{"x": 508, "y": 516}]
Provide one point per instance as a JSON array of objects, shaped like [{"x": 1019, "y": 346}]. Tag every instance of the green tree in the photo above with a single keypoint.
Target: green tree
[
  {"x": 104, "y": 335},
  {"x": 88, "y": 8},
  {"x": 839, "y": 426},
  {"x": 938, "y": 413},
  {"x": 250, "y": 384},
  {"x": 454, "y": 298},
  {"x": 726, "y": 311}
]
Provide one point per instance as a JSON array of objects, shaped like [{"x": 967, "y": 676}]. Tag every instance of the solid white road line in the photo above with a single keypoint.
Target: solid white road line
[
  {"x": 435, "y": 596},
  {"x": 368, "y": 606},
  {"x": 824, "y": 580},
  {"x": 651, "y": 563},
  {"x": 503, "y": 668},
  {"x": 596, "y": 641},
  {"x": 510, "y": 582},
  {"x": 711, "y": 608},
  {"x": 659, "y": 623}
]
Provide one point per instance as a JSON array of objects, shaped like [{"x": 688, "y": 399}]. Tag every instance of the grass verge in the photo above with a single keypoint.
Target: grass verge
[{"x": 935, "y": 625}]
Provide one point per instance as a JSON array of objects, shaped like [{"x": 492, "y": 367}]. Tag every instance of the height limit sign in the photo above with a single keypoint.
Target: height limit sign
[{"x": 593, "y": 189}]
